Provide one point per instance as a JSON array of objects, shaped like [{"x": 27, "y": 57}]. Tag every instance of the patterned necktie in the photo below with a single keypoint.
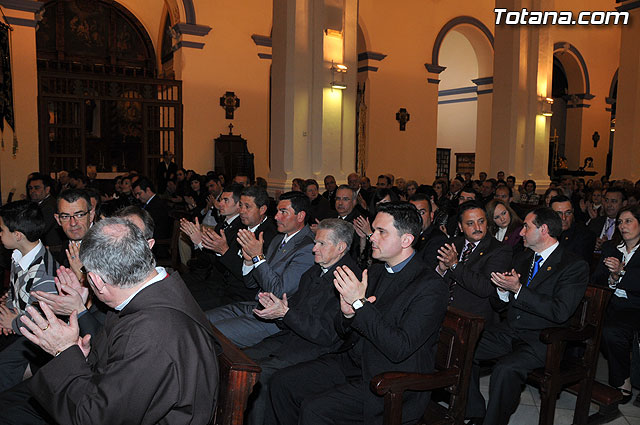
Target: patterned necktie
[
  {"x": 534, "y": 267},
  {"x": 467, "y": 252}
]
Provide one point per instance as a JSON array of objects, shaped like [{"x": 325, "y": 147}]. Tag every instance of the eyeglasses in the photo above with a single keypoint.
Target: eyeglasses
[{"x": 77, "y": 216}]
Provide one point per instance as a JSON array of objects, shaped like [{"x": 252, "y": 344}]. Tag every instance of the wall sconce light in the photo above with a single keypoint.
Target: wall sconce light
[
  {"x": 340, "y": 69},
  {"x": 613, "y": 125},
  {"x": 545, "y": 106}
]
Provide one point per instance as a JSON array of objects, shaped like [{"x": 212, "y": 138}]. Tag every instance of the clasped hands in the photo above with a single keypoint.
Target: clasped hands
[
  {"x": 350, "y": 288},
  {"x": 251, "y": 247},
  {"x": 614, "y": 265},
  {"x": 508, "y": 281},
  {"x": 274, "y": 307}
]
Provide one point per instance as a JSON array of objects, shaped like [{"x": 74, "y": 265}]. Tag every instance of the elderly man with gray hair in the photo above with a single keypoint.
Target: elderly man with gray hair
[
  {"x": 155, "y": 359},
  {"x": 305, "y": 319}
]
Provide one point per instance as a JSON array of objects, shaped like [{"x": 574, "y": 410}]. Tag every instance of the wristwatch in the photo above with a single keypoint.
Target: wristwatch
[
  {"x": 357, "y": 304},
  {"x": 453, "y": 266},
  {"x": 257, "y": 258}
]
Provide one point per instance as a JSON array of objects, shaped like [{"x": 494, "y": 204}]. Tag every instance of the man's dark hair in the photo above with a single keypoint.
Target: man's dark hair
[
  {"x": 299, "y": 202},
  {"x": 95, "y": 194},
  {"x": 493, "y": 182},
  {"x": 72, "y": 195},
  {"x": 559, "y": 198},
  {"x": 144, "y": 183},
  {"x": 261, "y": 182},
  {"x": 617, "y": 190},
  {"x": 384, "y": 176},
  {"x": 545, "y": 215},
  {"x": 259, "y": 195},
  {"x": 469, "y": 189},
  {"x": 526, "y": 182},
  {"x": 236, "y": 191},
  {"x": 406, "y": 218},
  {"x": 418, "y": 196},
  {"x": 466, "y": 206},
  {"x": 311, "y": 182},
  {"x": 149, "y": 224},
  {"x": 299, "y": 182},
  {"x": 25, "y": 217},
  {"x": 513, "y": 178},
  {"x": 46, "y": 180},
  {"x": 211, "y": 177},
  {"x": 249, "y": 182}
]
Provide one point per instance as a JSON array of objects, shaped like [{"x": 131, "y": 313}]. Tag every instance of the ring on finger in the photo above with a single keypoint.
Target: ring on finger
[{"x": 47, "y": 327}]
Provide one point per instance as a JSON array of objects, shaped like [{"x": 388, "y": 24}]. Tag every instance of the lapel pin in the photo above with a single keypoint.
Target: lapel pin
[
  {"x": 548, "y": 268},
  {"x": 566, "y": 238},
  {"x": 481, "y": 253},
  {"x": 506, "y": 237}
]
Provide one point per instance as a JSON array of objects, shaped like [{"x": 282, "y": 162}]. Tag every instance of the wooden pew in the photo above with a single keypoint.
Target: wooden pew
[
  {"x": 458, "y": 337},
  {"x": 578, "y": 373},
  {"x": 238, "y": 375}
]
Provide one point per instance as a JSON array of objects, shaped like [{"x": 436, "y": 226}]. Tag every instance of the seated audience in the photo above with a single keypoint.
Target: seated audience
[
  {"x": 288, "y": 256},
  {"x": 542, "y": 290},
  {"x": 620, "y": 270},
  {"x": 467, "y": 262},
  {"x": 320, "y": 207},
  {"x": 306, "y": 318},
  {"x": 604, "y": 226},
  {"x": 144, "y": 191},
  {"x": 431, "y": 237},
  {"x": 146, "y": 365},
  {"x": 32, "y": 268},
  {"x": 529, "y": 195},
  {"x": 389, "y": 320}
]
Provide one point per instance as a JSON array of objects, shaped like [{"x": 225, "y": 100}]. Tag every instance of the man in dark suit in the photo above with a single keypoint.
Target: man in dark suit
[
  {"x": 206, "y": 272},
  {"x": 543, "y": 290},
  {"x": 389, "y": 321},
  {"x": 431, "y": 238},
  {"x": 288, "y": 256},
  {"x": 320, "y": 207},
  {"x": 166, "y": 170},
  {"x": 253, "y": 209},
  {"x": 39, "y": 187},
  {"x": 146, "y": 364},
  {"x": 467, "y": 263},
  {"x": 306, "y": 318},
  {"x": 144, "y": 191},
  {"x": 575, "y": 237},
  {"x": 605, "y": 227},
  {"x": 330, "y": 190}
]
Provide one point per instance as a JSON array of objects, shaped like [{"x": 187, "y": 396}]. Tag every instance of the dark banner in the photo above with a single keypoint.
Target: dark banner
[{"x": 6, "y": 89}]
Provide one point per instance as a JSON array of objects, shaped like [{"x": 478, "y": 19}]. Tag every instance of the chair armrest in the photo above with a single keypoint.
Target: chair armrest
[
  {"x": 398, "y": 382},
  {"x": 554, "y": 335}
]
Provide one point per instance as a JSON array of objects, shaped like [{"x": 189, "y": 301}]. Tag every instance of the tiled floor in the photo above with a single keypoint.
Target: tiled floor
[{"x": 529, "y": 409}]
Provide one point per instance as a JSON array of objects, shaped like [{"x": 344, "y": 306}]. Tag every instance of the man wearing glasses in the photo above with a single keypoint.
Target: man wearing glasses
[{"x": 575, "y": 237}]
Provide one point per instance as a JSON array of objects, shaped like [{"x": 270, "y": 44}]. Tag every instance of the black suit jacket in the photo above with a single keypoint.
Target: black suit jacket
[
  {"x": 473, "y": 287},
  {"x": 550, "y": 299},
  {"x": 398, "y": 332},
  {"x": 52, "y": 234},
  {"x": 159, "y": 211},
  {"x": 320, "y": 209},
  {"x": 579, "y": 240},
  {"x": 428, "y": 244},
  {"x": 138, "y": 370},
  {"x": 307, "y": 328},
  {"x": 234, "y": 288}
]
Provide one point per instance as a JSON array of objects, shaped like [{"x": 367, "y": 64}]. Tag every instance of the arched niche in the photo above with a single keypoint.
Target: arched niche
[
  {"x": 566, "y": 122},
  {"x": 463, "y": 56}
]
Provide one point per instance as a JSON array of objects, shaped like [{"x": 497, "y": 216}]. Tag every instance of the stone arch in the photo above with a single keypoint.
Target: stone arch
[
  {"x": 478, "y": 35},
  {"x": 575, "y": 67}
]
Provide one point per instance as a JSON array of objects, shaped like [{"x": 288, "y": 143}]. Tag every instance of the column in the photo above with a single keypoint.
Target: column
[
  {"x": 14, "y": 167},
  {"x": 523, "y": 67},
  {"x": 626, "y": 147},
  {"x": 483, "y": 126},
  {"x": 313, "y": 124}
]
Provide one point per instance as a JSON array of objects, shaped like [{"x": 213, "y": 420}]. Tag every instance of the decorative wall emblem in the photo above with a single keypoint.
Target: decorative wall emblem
[{"x": 230, "y": 102}]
